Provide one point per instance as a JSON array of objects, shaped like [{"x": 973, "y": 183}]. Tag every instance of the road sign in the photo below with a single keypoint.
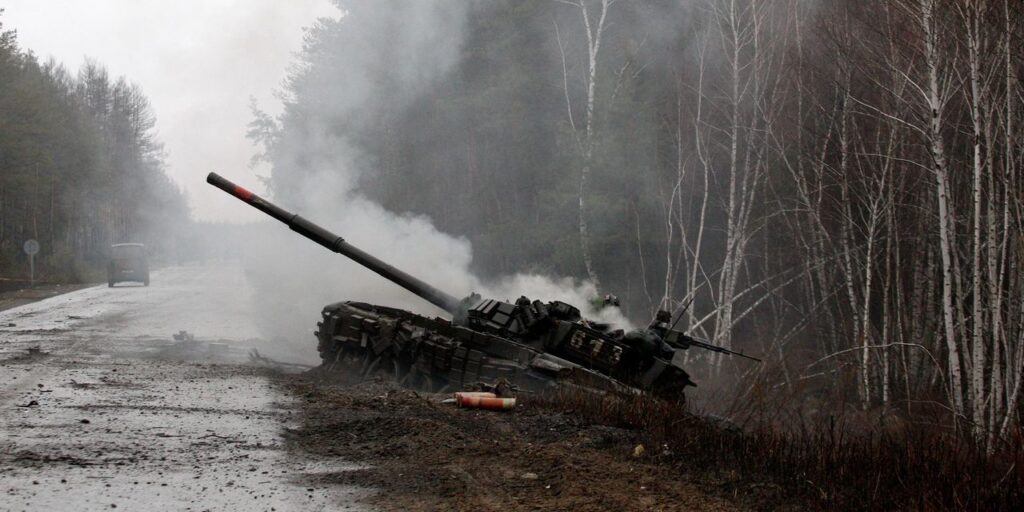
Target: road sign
[{"x": 31, "y": 248}]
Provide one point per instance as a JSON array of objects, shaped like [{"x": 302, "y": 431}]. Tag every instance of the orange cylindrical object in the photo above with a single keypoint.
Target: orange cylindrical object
[
  {"x": 462, "y": 396},
  {"x": 489, "y": 403}
]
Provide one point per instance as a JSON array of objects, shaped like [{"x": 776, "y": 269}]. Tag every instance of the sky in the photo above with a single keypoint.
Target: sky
[{"x": 198, "y": 61}]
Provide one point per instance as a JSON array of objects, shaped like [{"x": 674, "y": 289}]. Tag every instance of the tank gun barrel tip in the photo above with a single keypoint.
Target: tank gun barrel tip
[
  {"x": 230, "y": 187},
  {"x": 216, "y": 179},
  {"x": 335, "y": 243}
]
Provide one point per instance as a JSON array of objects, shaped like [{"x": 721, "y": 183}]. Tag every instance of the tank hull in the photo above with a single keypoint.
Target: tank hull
[{"x": 436, "y": 355}]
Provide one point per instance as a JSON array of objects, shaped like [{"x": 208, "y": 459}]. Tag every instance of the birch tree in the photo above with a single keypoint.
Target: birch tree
[{"x": 595, "y": 25}]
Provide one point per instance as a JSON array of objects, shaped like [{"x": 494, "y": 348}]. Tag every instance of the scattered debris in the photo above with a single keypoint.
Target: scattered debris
[
  {"x": 82, "y": 385},
  {"x": 502, "y": 388},
  {"x": 184, "y": 336},
  {"x": 31, "y": 354},
  {"x": 30, "y": 456},
  {"x": 638, "y": 451},
  {"x": 214, "y": 435},
  {"x": 260, "y": 360}
]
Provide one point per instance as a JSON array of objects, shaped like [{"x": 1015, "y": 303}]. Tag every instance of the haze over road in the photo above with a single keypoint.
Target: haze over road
[{"x": 111, "y": 412}]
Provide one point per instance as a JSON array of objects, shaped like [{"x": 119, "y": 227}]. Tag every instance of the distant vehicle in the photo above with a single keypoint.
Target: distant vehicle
[{"x": 127, "y": 263}]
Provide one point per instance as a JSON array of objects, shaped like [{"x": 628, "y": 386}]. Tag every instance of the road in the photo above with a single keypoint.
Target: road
[{"x": 101, "y": 409}]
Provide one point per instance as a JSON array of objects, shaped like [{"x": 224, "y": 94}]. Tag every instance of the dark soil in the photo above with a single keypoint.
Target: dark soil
[{"x": 424, "y": 455}]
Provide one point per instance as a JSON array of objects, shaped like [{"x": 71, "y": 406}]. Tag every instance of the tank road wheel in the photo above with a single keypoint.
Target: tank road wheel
[
  {"x": 399, "y": 371},
  {"x": 371, "y": 365},
  {"x": 330, "y": 359},
  {"x": 427, "y": 383},
  {"x": 410, "y": 378},
  {"x": 434, "y": 384},
  {"x": 420, "y": 380}
]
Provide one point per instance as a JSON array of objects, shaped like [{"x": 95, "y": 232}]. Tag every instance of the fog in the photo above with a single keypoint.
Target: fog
[
  {"x": 200, "y": 62},
  {"x": 295, "y": 277}
]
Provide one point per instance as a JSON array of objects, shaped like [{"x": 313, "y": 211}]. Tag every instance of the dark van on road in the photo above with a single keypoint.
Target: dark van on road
[{"x": 127, "y": 263}]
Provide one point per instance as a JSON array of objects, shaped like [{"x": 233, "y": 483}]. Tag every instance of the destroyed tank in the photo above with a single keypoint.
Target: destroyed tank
[{"x": 532, "y": 345}]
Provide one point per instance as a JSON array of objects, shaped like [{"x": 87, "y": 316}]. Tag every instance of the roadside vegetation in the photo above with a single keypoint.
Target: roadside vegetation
[
  {"x": 81, "y": 168},
  {"x": 770, "y": 460}
]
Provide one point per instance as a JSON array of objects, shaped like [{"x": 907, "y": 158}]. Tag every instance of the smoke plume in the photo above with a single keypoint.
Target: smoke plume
[{"x": 393, "y": 52}]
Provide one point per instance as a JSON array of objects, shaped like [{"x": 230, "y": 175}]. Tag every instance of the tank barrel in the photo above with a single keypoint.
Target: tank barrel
[{"x": 338, "y": 244}]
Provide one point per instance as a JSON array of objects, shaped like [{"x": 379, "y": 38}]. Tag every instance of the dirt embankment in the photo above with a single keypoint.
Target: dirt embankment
[
  {"x": 423, "y": 455},
  {"x": 14, "y": 293}
]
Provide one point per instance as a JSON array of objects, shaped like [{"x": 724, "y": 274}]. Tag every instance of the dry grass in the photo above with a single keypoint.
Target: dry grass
[{"x": 825, "y": 464}]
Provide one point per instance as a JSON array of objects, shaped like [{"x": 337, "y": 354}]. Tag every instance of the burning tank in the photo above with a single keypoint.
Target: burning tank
[{"x": 530, "y": 344}]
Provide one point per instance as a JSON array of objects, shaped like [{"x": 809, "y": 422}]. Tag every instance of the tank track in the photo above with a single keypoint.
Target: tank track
[{"x": 434, "y": 355}]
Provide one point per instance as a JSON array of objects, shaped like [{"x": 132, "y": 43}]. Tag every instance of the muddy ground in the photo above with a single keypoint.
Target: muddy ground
[
  {"x": 423, "y": 455},
  {"x": 102, "y": 408}
]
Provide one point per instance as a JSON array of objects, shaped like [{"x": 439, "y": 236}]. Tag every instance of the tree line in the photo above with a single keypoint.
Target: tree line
[
  {"x": 834, "y": 185},
  {"x": 80, "y": 167}
]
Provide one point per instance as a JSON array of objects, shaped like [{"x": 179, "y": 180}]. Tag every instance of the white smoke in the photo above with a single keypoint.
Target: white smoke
[
  {"x": 410, "y": 45},
  {"x": 295, "y": 278}
]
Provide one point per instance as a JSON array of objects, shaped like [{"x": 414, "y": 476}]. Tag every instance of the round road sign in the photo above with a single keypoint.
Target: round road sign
[{"x": 31, "y": 247}]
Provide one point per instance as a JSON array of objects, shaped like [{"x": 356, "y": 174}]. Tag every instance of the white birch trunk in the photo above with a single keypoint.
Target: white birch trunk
[
  {"x": 594, "y": 37},
  {"x": 976, "y": 393},
  {"x": 936, "y": 105}
]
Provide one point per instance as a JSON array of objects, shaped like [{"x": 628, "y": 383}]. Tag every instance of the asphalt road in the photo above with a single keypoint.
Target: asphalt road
[{"x": 100, "y": 408}]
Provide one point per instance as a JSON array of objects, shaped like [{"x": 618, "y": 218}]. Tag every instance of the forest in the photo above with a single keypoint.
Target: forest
[
  {"x": 81, "y": 168},
  {"x": 835, "y": 187}
]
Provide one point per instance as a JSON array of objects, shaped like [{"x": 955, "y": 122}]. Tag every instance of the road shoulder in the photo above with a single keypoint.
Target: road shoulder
[
  {"x": 423, "y": 455},
  {"x": 21, "y": 295}
]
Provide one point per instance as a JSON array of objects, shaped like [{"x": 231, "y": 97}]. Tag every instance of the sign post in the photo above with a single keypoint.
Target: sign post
[{"x": 31, "y": 249}]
